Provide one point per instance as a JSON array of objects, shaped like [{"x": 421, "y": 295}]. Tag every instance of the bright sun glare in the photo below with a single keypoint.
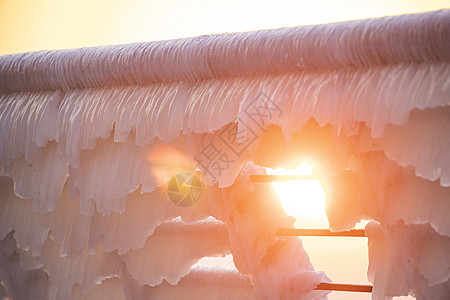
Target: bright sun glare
[{"x": 303, "y": 199}]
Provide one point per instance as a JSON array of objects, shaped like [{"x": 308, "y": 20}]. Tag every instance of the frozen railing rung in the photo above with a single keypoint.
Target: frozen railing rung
[
  {"x": 344, "y": 287},
  {"x": 275, "y": 178},
  {"x": 320, "y": 232}
]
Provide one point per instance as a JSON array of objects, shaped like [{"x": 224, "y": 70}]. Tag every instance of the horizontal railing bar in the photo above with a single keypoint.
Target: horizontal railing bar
[
  {"x": 344, "y": 287},
  {"x": 275, "y": 178},
  {"x": 320, "y": 232}
]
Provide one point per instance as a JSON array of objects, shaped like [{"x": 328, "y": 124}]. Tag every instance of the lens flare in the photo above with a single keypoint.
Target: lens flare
[{"x": 166, "y": 161}]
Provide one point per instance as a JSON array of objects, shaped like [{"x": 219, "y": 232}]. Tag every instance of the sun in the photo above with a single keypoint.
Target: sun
[{"x": 303, "y": 199}]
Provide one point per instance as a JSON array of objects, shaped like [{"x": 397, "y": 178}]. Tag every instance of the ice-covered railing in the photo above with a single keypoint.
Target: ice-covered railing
[
  {"x": 90, "y": 137},
  {"x": 408, "y": 39}
]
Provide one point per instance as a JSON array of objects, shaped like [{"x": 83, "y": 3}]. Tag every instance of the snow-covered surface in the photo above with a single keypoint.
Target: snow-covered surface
[{"x": 90, "y": 138}]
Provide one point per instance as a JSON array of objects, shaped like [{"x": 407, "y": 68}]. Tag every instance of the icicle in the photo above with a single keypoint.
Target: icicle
[
  {"x": 395, "y": 193},
  {"x": 362, "y": 96},
  {"x": 343, "y": 98},
  {"x": 105, "y": 185},
  {"x": 28, "y": 122},
  {"x": 408, "y": 259},
  {"x": 120, "y": 231},
  {"x": 20, "y": 283},
  {"x": 146, "y": 166},
  {"x": 68, "y": 226},
  {"x": 42, "y": 180},
  {"x": 379, "y": 266},
  {"x": 162, "y": 116},
  {"x": 85, "y": 115},
  {"x": 79, "y": 122},
  {"x": 88, "y": 114},
  {"x": 423, "y": 143},
  {"x": 17, "y": 214},
  {"x": 85, "y": 269}
]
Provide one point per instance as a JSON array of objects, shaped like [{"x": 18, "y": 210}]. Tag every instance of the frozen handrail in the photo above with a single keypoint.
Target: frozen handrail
[
  {"x": 406, "y": 39},
  {"x": 320, "y": 232}
]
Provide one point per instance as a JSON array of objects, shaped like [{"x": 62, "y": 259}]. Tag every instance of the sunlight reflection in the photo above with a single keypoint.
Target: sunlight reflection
[{"x": 303, "y": 199}]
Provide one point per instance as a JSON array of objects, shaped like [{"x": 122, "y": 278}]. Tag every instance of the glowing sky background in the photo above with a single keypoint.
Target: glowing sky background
[{"x": 33, "y": 25}]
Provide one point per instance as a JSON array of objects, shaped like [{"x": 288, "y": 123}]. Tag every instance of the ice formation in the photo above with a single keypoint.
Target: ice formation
[{"x": 91, "y": 137}]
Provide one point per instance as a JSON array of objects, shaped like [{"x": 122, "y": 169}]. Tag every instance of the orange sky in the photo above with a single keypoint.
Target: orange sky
[{"x": 32, "y": 25}]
